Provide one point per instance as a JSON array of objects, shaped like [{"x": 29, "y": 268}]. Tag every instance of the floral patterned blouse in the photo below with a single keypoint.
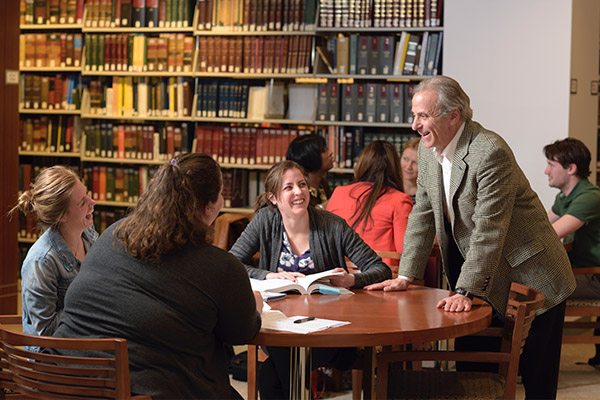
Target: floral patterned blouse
[{"x": 290, "y": 262}]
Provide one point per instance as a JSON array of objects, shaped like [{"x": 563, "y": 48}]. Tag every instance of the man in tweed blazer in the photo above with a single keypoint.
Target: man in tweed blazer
[{"x": 491, "y": 226}]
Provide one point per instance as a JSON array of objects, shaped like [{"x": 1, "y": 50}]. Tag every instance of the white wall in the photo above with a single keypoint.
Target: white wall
[{"x": 512, "y": 57}]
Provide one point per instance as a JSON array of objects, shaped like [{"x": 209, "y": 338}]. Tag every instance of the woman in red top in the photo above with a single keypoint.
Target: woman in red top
[{"x": 375, "y": 206}]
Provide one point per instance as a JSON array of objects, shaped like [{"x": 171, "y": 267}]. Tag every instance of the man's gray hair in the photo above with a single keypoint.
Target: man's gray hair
[{"x": 450, "y": 95}]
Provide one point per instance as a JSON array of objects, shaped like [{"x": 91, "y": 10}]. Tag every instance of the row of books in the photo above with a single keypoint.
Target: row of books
[
  {"x": 106, "y": 183},
  {"x": 346, "y": 143},
  {"x": 141, "y": 142},
  {"x": 380, "y": 13},
  {"x": 54, "y": 134},
  {"x": 138, "y": 53},
  {"x": 255, "y": 55},
  {"x": 50, "y": 92},
  {"x": 42, "y": 12},
  {"x": 245, "y": 145},
  {"x": 104, "y": 218},
  {"x": 256, "y": 15},
  {"x": 28, "y": 226},
  {"x": 365, "y": 102},
  {"x": 223, "y": 99},
  {"x": 398, "y": 140},
  {"x": 52, "y": 50},
  {"x": 129, "y": 96},
  {"x": 119, "y": 184},
  {"x": 139, "y": 13},
  {"x": 406, "y": 54}
]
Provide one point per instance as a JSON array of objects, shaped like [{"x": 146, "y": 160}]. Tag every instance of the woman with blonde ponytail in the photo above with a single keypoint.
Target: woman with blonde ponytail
[
  {"x": 155, "y": 279},
  {"x": 64, "y": 213}
]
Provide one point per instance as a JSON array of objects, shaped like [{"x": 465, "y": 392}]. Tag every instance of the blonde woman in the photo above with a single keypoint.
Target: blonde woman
[
  {"x": 409, "y": 164},
  {"x": 64, "y": 213}
]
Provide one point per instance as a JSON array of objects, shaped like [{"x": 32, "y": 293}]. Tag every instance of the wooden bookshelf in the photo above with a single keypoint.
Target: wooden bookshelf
[{"x": 302, "y": 69}]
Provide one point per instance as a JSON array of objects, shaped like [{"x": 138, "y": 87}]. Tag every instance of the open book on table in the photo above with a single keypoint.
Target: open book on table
[{"x": 313, "y": 283}]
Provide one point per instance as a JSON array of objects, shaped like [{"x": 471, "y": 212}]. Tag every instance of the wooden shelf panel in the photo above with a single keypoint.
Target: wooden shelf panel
[
  {"x": 43, "y": 111},
  {"x": 48, "y": 154},
  {"x": 129, "y": 29},
  {"x": 254, "y": 33},
  {"x": 121, "y": 160},
  {"x": 50, "y": 27}
]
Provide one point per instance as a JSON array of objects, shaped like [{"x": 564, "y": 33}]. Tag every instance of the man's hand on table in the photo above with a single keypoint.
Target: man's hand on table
[
  {"x": 390, "y": 285},
  {"x": 455, "y": 303}
]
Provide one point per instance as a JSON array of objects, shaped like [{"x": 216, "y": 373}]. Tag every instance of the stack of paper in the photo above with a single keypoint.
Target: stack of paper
[{"x": 276, "y": 320}]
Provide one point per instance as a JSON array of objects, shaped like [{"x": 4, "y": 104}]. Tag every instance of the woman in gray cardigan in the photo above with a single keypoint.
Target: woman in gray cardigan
[{"x": 296, "y": 240}]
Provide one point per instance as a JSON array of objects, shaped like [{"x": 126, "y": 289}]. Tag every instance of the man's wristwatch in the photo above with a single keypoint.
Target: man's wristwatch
[{"x": 464, "y": 292}]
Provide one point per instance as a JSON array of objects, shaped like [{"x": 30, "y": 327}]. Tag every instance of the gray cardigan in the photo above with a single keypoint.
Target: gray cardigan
[{"x": 330, "y": 241}]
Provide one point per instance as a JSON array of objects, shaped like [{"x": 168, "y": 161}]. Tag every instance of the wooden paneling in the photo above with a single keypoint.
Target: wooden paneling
[{"x": 9, "y": 159}]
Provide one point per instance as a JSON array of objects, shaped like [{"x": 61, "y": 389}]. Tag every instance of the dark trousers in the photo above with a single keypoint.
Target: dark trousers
[
  {"x": 274, "y": 373},
  {"x": 540, "y": 360}
]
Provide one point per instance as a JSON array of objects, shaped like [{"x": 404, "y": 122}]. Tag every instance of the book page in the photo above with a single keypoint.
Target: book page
[{"x": 282, "y": 285}]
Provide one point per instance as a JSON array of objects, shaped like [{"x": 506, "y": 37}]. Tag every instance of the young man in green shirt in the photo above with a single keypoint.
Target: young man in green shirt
[{"x": 576, "y": 213}]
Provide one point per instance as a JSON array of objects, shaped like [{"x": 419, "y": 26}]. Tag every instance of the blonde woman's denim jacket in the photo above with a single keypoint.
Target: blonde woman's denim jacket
[{"x": 47, "y": 272}]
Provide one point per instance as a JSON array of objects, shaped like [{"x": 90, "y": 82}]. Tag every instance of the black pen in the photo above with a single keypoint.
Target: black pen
[{"x": 301, "y": 320}]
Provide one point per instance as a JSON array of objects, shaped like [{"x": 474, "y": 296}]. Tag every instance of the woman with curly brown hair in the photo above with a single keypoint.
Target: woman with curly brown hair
[{"x": 154, "y": 279}]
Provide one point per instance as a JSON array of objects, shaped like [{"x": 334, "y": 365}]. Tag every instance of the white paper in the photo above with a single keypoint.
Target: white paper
[{"x": 276, "y": 320}]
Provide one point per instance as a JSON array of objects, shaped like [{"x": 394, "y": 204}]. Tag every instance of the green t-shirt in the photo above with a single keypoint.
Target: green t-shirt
[{"x": 582, "y": 203}]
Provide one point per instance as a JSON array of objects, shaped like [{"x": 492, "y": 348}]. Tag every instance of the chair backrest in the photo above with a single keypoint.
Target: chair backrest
[
  {"x": 394, "y": 255},
  {"x": 523, "y": 302},
  {"x": 48, "y": 376},
  {"x": 228, "y": 227}
]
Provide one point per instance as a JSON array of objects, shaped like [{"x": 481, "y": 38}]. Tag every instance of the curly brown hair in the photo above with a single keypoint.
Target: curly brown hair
[
  {"x": 48, "y": 196},
  {"x": 169, "y": 213}
]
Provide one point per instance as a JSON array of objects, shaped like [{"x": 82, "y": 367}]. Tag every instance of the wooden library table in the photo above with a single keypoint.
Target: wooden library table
[{"x": 376, "y": 318}]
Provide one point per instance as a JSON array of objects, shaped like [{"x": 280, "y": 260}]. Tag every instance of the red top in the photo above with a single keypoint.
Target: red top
[{"x": 386, "y": 226}]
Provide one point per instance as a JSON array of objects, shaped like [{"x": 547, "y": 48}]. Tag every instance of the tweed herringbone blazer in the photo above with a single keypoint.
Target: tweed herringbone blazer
[{"x": 497, "y": 220}]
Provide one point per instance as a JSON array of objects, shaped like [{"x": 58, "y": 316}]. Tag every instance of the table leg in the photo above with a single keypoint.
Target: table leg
[
  {"x": 369, "y": 373},
  {"x": 300, "y": 372}
]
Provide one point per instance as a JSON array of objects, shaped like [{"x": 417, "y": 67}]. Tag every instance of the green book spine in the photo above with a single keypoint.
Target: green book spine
[
  {"x": 110, "y": 184},
  {"x": 101, "y": 41}
]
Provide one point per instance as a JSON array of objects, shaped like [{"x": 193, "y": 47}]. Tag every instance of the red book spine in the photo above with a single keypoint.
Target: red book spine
[
  {"x": 79, "y": 14},
  {"x": 121, "y": 136},
  {"x": 217, "y": 146},
  {"x": 199, "y": 140},
  {"x": 226, "y": 145},
  {"x": 208, "y": 141}
]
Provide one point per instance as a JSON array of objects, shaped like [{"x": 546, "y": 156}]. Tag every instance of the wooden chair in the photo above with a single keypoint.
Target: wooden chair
[
  {"x": 357, "y": 374},
  {"x": 225, "y": 228},
  {"x": 30, "y": 375},
  {"x": 255, "y": 355},
  {"x": 582, "y": 308},
  {"x": 425, "y": 384}
]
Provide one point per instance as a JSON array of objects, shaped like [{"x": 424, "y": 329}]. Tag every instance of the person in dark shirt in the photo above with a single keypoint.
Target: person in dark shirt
[
  {"x": 154, "y": 279},
  {"x": 311, "y": 152}
]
